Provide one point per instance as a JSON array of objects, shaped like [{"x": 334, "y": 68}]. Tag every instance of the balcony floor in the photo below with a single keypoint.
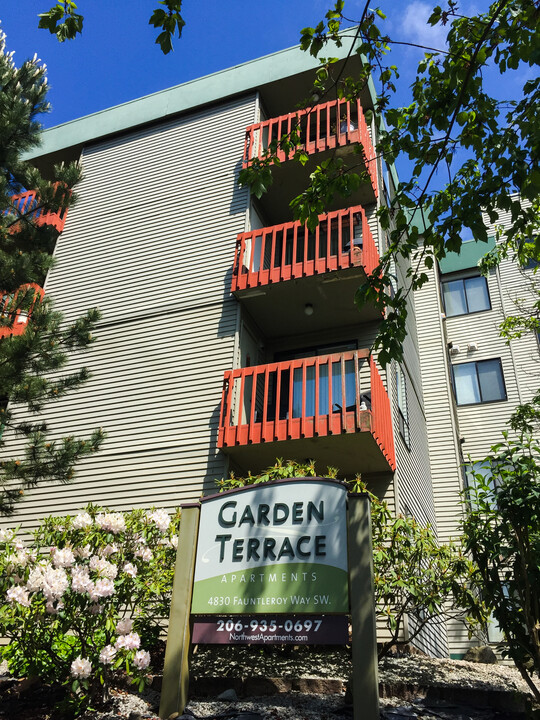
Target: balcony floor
[
  {"x": 291, "y": 178},
  {"x": 351, "y": 453},
  {"x": 279, "y": 308}
]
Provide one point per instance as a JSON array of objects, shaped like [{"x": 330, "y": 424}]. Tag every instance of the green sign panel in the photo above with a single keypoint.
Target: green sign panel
[{"x": 274, "y": 548}]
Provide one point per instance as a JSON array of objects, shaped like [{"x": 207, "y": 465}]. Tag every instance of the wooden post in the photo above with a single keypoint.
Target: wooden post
[
  {"x": 365, "y": 676},
  {"x": 174, "y": 691}
]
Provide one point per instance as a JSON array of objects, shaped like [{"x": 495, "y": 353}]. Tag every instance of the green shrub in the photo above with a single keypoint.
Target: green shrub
[{"x": 85, "y": 597}]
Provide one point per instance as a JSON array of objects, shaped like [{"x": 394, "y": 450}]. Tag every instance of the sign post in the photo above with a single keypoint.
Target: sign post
[
  {"x": 365, "y": 676},
  {"x": 275, "y": 563},
  {"x": 174, "y": 690}
]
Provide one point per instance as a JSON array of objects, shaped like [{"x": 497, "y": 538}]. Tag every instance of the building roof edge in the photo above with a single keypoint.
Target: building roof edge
[{"x": 177, "y": 99}]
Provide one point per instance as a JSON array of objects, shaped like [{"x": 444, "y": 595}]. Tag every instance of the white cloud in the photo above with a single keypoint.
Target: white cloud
[{"x": 416, "y": 28}]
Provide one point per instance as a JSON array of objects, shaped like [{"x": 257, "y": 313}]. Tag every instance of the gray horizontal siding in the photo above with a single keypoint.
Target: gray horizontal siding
[
  {"x": 151, "y": 243},
  {"x": 160, "y": 210}
]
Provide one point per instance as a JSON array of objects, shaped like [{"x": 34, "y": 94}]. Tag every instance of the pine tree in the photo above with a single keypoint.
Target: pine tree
[{"x": 34, "y": 342}]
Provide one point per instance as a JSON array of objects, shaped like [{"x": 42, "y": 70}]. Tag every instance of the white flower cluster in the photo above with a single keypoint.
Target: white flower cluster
[
  {"x": 113, "y": 522},
  {"x": 103, "y": 567},
  {"x": 81, "y": 667},
  {"x": 81, "y": 521},
  {"x": 83, "y": 552},
  {"x": 7, "y": 535},
  {"x": 161, "y": 519},
  {"x": 131, "y": 641},
  {"x": 144, "y": 553},
  {"x": 130, "y": 569},
  {"x": 102, "y": 588},
  {"x": 62, "y": 558},
  {"x": 18, "y": 594},
  {"x": 107, "y": 655},
  {"x": 80, "y": 580},
  {"x": 108, "y": 550},
  {"x": 53, "y": 582},
  {"x": 141, "y": 659},
  {"x": 126, "y": 640},
  {"x": 125, "y": 626},
  {"x": 88, "y": 571}
]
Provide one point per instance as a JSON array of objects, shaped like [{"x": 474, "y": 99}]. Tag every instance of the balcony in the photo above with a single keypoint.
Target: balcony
[
  {"x": 16, "y": 308},
  {"x": 285, "y": 267},
  {"x": 332, "y": 127},
  {"x": 333, "y": 408},
  {"x": 28, "y": 204}
]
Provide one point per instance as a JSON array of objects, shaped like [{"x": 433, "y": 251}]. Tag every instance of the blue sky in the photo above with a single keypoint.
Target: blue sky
[{"x": 116, "y": 59}]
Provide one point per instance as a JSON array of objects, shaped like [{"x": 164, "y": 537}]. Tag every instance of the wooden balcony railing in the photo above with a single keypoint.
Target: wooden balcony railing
[
  {"x": 342, "y": 240},
  {"x": 15, "y": 309},
  {"x": 24, "y": 204},
  {"x": 306, "y": 398},
  {"x": 323, "y": 127}
]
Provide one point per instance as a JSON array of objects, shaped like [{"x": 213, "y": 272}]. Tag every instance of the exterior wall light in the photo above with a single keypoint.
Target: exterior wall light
[{"x": 308, "y": 309}]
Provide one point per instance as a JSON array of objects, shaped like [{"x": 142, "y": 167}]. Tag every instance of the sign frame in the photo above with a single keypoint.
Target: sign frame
[
  {"x": 365, "y": 684},
  {"x": 268, "y": 548}
]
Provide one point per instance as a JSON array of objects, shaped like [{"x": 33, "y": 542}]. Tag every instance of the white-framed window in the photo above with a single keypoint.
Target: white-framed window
[
  {"x": 465, "y": 295},
  {"x": 479, "y": 382}
]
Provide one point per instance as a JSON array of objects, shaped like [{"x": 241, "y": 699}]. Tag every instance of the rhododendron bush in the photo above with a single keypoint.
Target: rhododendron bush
[{"x": 85, "y": 598}]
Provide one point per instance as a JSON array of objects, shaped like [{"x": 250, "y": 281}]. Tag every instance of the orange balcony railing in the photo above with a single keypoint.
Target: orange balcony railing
[
  {"x": 323, "y": 127},
  {"x": 15, "y": 310},
  {"x": 306, "y": 398},
  {"x": 28, "y": 203},
  {"x": 342, "y": 240}
]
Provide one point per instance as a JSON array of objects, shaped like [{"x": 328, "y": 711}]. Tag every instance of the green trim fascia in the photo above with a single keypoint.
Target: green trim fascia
[
  {"x": 468, "y": 256},
  {"x": 181, "y": 98},
  {"x": 417, "y": 218},
  {"x": 373, "y": 95}
]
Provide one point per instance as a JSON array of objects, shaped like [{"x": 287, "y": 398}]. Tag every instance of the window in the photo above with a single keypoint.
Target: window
[
  {"x": 403, "y": 412},
  {"x": 465, "y": 295},
  {"x": 305, "y": 391},
  {"x": 479, "y": 382}
]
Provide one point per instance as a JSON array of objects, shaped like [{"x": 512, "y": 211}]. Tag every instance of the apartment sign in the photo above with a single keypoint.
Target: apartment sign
[{"x": 275, "y": 548}]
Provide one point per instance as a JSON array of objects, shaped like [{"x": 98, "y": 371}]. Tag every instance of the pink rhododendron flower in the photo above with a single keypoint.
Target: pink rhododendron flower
[
  {"x": 96, "y": 609},
  {"x": 103, "y": 567},
  {"x": 80, "y": 580},
  {"x": 161, "y": 520},
  {"x": 7, "y": 535},
  {"x": 35, "y": 579},
  {"x": 62, "y": 557},
  {"x": 53, "y": 609},
  {"x": 113, "y": 522},
  {"x": 107, "y": 654},
  {"x": 129, "y": 642},
  {"x": 130, "y": 569},
  {"x": 22, "y": 558},
  {"x": 123, "y": 627},
  {"x": 109, "y": 550},
  {"x": 144, "y": 553},
  {"x": 141, "y": 659},
  {"x": 18, "y": 594},
  {"x": 81, "y": 667},
  {"x": 83, "y": 552},
  {"x": 103, "y": 588},
  {"x": 53, "y": 582},
  {"x": 81, "y": 521},
  {"x": 174, "y": 541}
]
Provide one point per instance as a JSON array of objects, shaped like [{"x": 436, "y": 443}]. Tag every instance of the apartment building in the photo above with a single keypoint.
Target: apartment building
[
  {"x": 229, "y": 336},
  {"x": 473, "y": 379}
]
